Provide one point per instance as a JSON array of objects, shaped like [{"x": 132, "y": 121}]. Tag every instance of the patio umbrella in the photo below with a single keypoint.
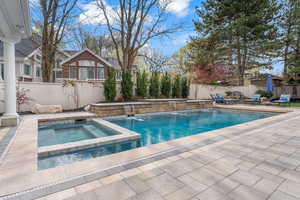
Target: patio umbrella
[{"x": 269, "y": 85}]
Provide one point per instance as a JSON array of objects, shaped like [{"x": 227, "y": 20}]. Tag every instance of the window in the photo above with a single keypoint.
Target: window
[
  {"x": 101, "y": 75},
  {"x": 38, "y": 71},
  {"x": 73, "y": 73},
  {"x": 58, "y": 61},
  {"x": 87, "y": 73},
  {"x": 88, "y": 63},
  {"x": 27, "y": 69},
  {"x": 38, "y": 57},
  {"x": 100, "y": 65},
  {"x": 58, "y": 74},
  {"x": 1, "y": 71}
]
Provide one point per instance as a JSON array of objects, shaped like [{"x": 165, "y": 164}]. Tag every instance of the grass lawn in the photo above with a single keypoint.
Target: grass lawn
[{"x": 292, "y": 105}]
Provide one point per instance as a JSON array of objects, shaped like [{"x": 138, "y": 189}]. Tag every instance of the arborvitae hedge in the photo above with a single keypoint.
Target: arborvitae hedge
[
  {"x": 185, "y": 87},
  {"x": 127, "y": 85},
  {"x": 110, "y": 90},
  {"x": 141, "y": 84},
  {"x": 154, "y": 85},
  {"x": 176, "y": 88},
  {"x": 166, "y": 85}
]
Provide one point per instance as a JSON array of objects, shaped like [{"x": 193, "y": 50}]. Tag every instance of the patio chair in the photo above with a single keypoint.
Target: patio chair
[
  {"x": 217, "y": 98},
  {"x": 284, "y": 99},
  {"x": 220, "y": 99},
  {"x": 254, "y": 99}
]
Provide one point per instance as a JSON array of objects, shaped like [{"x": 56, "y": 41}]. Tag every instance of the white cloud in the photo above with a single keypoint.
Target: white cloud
[
  {"x": 181, "y": 39},
  {"x": 178, "y": 7},
  {"x": 92, "y": 14}
]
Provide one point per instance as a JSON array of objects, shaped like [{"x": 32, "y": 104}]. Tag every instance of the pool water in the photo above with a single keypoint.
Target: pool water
[
  {"x": 160, "y": 127},
  {"x": 153, "y": 128},
  {"x": 71, "y": 132},
  {"x": 75, "y": 156}
]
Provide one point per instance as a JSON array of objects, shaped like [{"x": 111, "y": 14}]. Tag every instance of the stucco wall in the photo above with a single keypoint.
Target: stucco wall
[
  {"x": 198, "y": 91},
  {"x": 86, "y": 93},
  {"x": 54, "y": 93}
]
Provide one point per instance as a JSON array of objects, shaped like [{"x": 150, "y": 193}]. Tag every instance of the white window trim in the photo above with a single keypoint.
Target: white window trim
[
  {"x": 26, "y": 75},
  {"x": 100, "y": 79},
  {"x": 77, "y": 71}
]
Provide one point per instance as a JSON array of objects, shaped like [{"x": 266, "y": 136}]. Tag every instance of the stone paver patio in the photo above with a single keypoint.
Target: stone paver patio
[
  {"x": 260, "y": 164},
  {"x": 256, "y": 160}
]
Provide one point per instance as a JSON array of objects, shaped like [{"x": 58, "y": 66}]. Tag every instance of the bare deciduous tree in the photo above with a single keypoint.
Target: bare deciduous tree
[
  {"x": 99, "y": 43},
  {"x": 56, "y": 16},
  {"x": 156, "y": 61},
  {"x": 135, "y": 22}
]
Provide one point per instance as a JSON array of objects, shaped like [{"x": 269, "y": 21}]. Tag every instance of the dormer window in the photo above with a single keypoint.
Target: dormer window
[{"x": 38, "y": 57}]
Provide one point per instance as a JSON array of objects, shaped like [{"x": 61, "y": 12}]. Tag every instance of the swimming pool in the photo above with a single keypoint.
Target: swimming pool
[
  {"x": 158, "y": 127},
  {"x": 71, "y": 131}
]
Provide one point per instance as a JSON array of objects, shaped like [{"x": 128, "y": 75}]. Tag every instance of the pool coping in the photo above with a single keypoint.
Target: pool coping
[
  {"x": 121, "y": 136},
  {"x": 138, "y": 157}
]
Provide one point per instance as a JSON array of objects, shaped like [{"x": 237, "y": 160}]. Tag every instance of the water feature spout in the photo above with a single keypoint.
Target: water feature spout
[
  {"x": 129, "y": 110},
  {"x": 173, "y": 104}
]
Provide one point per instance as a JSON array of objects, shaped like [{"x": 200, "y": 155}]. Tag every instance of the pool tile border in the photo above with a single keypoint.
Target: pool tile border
[
  {"x": 121, "y": 136},
  {"x": 44, "y": 190}
]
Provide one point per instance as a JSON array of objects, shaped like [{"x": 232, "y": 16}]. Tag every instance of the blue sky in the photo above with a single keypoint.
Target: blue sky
[{"x": 177, "y": 40}]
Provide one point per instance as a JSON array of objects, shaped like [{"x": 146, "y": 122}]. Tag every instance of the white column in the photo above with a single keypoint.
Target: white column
[{"x": 10, "y": 79}]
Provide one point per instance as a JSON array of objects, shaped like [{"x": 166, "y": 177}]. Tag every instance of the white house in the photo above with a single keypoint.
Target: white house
[{"x": 28, "y": 60}]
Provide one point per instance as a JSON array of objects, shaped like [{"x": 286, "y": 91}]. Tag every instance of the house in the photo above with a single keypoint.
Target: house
[
  {"x": 261, "y": 80},
  {"x": 85, "y": 65},
  {"x": 28, "y": 60}
]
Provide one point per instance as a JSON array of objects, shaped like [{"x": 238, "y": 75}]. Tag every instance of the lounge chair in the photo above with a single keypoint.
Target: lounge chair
[
  {"x": 254, "y": 99},
  {"x": 284, "y": 99},
  {"x": 220, "y": 99},
  {"x": 217, "y": 98}
]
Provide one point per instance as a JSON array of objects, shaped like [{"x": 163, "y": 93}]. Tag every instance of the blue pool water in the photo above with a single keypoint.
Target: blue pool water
[
  {"x": 74, "y": 156},
  {"x": 61, "y": 133},
  {"x": 155, "y": 128},
  {"x": 160, "y": 127}
]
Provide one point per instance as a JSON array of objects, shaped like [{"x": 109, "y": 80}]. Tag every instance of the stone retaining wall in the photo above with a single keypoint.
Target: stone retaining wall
[{"x": 104, "y": 110}]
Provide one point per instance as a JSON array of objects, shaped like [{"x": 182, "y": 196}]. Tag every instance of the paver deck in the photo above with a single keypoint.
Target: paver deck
[{"x": 255, "y": 160}]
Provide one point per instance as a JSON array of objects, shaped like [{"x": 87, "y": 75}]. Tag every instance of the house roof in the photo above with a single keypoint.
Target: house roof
[
  {"x": 25, "y": 47},
  {"x": 88, "y": 50}
]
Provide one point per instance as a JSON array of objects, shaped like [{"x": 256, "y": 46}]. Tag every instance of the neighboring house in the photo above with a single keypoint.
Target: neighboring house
[
  {"x": 85, "y": 65},
  {"x": 77, "y": 65},
  {"x": 261, "y": 80},
  {"x": 29, "y": 60}
]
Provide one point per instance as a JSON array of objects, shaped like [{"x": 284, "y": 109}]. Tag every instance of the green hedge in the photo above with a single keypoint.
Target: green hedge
[
  {"x": 166, "y": 85},
  {"x": 110, "y": 90},
  {"x": 176, "y": 88},
  {"x": 154, "y": 85},
  {"x": 185, "y": 87},
  {"x": 127, "y": 86},
  {"x": 141, "y": 84}
]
